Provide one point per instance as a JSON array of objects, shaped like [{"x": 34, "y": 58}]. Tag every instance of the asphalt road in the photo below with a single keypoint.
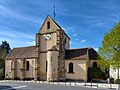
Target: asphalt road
[{"x": 39, "y": 86}]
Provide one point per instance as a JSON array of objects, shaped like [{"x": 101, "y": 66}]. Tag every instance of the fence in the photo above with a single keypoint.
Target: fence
[{"x": 91, "y": 84}]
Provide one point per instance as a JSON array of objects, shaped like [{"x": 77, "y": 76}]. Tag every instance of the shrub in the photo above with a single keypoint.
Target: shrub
[
  {"x": 95, "y": 73},
  {"x": 117, "y": 81},
  {"x": 1, "y": 74}
]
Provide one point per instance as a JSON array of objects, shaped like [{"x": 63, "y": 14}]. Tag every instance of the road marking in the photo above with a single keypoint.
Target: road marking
[{"x": 15, "y": 87}]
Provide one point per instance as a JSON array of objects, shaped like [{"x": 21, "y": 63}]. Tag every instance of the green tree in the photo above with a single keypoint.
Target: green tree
[
  {"x": 4, "y": 50},
  {"x": 110, "y": 50},
  {"x": 104, "y": 65}
]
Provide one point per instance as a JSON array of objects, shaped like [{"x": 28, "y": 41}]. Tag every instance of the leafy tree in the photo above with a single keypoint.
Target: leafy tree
[
  {"x": 104, "y": 65},
  {"x": 110, "y": 50},
  {"x": 4, "y": 50}
]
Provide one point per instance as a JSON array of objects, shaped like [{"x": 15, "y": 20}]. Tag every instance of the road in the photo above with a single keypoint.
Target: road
[{"x": 39, "y": 86}]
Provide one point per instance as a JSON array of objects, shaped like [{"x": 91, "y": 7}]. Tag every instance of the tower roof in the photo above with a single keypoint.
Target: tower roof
[{"x": 54, "y": 48}]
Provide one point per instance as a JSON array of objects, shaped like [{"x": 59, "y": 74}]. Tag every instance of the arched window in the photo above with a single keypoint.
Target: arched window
[
  {"x": 48, "y": 25},
  {"x": 94, "y": 64},
  {"x": 70, "y": 67}
]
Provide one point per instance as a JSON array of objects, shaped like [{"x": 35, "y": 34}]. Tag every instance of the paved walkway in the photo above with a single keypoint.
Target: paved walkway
[
  {"x": 77, "y": 84},
  {"x": 10, "y": 85}
]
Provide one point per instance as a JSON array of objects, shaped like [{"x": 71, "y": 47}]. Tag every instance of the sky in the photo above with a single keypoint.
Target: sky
[{"x": 85, "y": 21}]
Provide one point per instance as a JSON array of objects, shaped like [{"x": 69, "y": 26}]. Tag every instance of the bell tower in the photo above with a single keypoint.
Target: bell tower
[{"x": 50, "y": 35}]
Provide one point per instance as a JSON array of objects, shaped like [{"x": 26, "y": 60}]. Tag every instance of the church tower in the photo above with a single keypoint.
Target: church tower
[{"x": 51, "y": 42}]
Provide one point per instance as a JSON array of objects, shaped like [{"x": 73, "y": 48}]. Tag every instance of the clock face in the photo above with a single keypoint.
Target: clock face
[{"x": 48, "y": 36}]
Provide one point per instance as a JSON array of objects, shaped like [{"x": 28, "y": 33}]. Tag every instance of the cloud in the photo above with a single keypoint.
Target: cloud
[
  {"x": 8, "y": 12},
  {"x": 16, "y": 38},
  {"x": 17, "y": 42},
  {"x": 11, "y": 33},
  {"x": 73, "y": 31},
  {"x": 82, "y": 41},
  {"x": 74, "y": 34},
  {"x": 69, "y": 28},
  {"x": 70, "y": 42},
  {"x": 31, "y": 43},
  {"x": 96, "y": 49},
  {"x": 77, "y": 40}
]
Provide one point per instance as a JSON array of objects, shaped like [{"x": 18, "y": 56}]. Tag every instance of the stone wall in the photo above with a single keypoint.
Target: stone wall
[
  {"x": 37, "y": 59},
  {"x": 15, "y": 68},
  {"x": 22, "y": 69},
  {"x": 61, "y": 47}
]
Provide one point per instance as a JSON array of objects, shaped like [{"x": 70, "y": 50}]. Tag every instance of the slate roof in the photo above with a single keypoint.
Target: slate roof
[
  {"x": 23, "y": 52},
  {"x": 81, "y": 53},
  {"x": 29, "y": 52},
  {"x": 93, "y": 55}
]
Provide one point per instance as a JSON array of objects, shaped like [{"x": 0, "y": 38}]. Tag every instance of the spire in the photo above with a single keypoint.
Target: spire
[{"x": 54, "y": 10}]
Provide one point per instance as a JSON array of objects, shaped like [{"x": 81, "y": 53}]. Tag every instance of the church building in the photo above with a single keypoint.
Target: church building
[{"x": 51, "y": 58}]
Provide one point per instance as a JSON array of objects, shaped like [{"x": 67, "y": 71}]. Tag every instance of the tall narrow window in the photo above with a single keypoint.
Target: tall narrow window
[
  {"x": 48, "y": 25},
  {"x": 70, "y": 67},
  {"x": 11, "y": 65},
  {"x": 51, "y": 59},
  {"x": 27, "y": 65},
  {"x": 46, "y": 66},
  {"x": 65, "y": 41}
]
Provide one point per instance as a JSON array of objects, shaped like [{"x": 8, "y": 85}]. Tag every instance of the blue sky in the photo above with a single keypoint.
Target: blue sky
[{"x": 85, "y": 21}]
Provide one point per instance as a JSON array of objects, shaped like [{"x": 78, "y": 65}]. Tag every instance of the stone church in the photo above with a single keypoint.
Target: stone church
[{"x": 51, "y": 58}]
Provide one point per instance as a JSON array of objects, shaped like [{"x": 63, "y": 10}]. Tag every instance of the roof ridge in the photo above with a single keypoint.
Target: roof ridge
[
  {"x": 24, "y": 52},
  {"x": 55, "y": 22},
  {"x": 54, "y": 48},
  {"x": 80, "y": 48},
  {"x": 23, "y": 47}
]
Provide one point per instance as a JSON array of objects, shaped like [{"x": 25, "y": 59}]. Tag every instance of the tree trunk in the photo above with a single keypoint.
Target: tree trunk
[{"x": 118, "y": 73}]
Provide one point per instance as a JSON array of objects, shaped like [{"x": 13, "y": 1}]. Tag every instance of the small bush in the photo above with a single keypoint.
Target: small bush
[
  {"x": 117, "y": 81},
  {"x": 16, "y": 78},
  {"x": 95, "y": 73},
  {"x": 1, "y": 74},
  {"x": 28, "y": 79}
]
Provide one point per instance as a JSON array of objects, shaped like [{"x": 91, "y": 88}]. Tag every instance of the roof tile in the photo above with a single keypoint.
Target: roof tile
[
  {"x": 81, "y": 53},
  {"x": 24, "y": 52}
]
